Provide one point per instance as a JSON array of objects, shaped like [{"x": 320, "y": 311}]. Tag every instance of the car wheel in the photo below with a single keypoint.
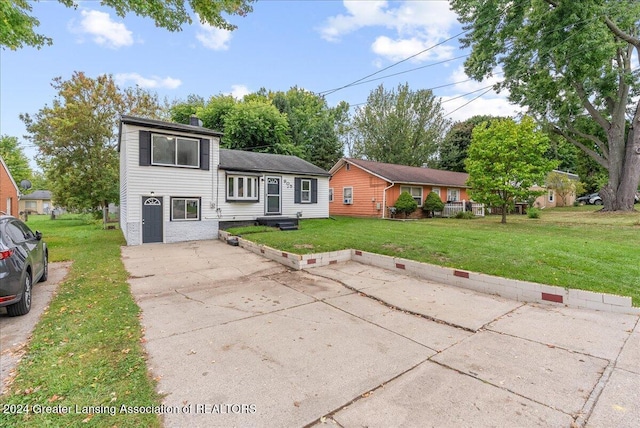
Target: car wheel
[
  {"x": 45, "y": 271},
  {"x": 597, "y": 202},
  {"x": 24, "y": 305}
]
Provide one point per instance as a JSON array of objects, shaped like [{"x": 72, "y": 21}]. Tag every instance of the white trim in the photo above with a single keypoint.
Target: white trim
[
  {"x": 412, "y": 195},
  {"x": 185, "y": 199},
  {"x": 347, "y": 200},
  {"x": 250, "y": 185},
  {"x": 308, "y": 199}
]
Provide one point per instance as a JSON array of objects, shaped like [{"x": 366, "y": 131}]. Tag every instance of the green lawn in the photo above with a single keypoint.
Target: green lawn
[
  {"x": 569, "y": 247},
  {"x": 86, "y": 350}
]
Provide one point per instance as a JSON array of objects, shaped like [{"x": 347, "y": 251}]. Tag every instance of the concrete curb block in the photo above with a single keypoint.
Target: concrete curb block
[{"x": 522, "y": 291}]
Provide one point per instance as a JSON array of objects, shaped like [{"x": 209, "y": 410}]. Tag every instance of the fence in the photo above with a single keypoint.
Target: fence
[{"x": 453, "y": 208}]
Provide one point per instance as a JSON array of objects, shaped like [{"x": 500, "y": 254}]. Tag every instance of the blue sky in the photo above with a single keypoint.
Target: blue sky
[{"x": 316, "y": 45}]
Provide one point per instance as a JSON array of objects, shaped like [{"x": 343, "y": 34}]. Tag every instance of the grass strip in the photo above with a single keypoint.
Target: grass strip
[
  {"x": 569, "y": 247},
  {"x": 85, "y": 359}
]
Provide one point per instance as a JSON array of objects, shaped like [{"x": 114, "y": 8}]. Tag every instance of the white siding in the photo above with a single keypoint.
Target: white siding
[
  {"x": 239, "y": 211},
  {"x": 166, "y": 182}
]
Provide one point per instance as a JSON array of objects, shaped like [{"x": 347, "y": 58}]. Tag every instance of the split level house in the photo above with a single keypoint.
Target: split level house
[
  {"x": 177, "y": 184},
  {"x": 8, "y": 191},
  {"x": 367, "y": 188}
]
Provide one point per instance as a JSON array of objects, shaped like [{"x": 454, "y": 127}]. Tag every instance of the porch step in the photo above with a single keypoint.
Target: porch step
[{"x": 287, "y": 226}]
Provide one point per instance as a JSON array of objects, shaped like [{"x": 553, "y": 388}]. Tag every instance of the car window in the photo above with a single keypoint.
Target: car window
[
  {"x": 26, "y": 232},
  {"x": 14, "y": 233}
]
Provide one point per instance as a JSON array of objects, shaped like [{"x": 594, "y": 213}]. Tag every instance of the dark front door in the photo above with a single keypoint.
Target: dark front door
[{"x": 151, "y": 219}]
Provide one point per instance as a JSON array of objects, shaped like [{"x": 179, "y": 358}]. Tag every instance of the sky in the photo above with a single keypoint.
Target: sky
[{"x": 312, "y": 44}]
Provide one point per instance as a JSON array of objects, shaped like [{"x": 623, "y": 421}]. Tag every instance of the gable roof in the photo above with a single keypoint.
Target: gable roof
[
  {"x": 165, "y": 126},
  {"x": 6, "y": 168},
  {"x": 408, "y": 174},
  {"x": 37, "y": 194},
  {"x": 239, "y": 160}
]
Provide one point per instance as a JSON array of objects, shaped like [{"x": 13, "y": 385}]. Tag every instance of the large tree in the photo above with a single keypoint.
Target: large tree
[
  {"x": 17, "y": 25},
  {"x": 312, "y": 125},
  {"x": 15, "y": 158},
  {"x": 453, "y": 150},
  {"x": 566, "y": 60},
  {"x": 505, "y": 160},
  {"x": 77, "y": 137},
  {"x": 258, "y": 126},
  {"x": 399, "y": 126}
]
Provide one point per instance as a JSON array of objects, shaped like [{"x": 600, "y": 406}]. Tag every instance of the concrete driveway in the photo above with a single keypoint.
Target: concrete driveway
[{"x": 237, "y": 340}]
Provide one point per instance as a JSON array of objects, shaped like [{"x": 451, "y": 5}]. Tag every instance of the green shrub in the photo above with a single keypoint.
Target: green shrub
[
  {"x": 405, "y": 204},
  {"x": 432, "y": 203},
  {"x": 466, "y": 215},
  {"x": 533, "y": 213}
]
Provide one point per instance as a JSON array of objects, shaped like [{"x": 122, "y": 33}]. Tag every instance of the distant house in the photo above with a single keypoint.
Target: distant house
[
  {"x": 367, "y": 189},
  {"x": 37, "y": 202},
  {"x": 8, "y": 191},
  {"x": 551, "y": 198},
  {"x": 176, "y": 184}
]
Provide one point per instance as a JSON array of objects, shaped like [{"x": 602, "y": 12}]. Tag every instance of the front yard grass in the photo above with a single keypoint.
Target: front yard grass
[
  {"x": 86, "y": 350},
  {"x": 568, "y": 247}
]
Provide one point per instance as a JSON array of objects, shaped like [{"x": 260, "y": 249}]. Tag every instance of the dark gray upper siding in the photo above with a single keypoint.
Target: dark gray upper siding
[{"x": 238, "y": 160}]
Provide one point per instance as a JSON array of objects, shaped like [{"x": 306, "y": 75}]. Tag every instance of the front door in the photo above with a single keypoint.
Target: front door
[
  {"x": 151, "y": 219},
  {"x": 272, "y": 192}
]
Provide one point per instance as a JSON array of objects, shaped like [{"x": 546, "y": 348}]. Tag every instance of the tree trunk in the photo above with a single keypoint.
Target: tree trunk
[
  {"x": 619, "y": 193},
  {"x": 504, "y": 213}
]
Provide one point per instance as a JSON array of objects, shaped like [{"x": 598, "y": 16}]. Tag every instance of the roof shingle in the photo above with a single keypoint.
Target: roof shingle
[
  {"x": 239, "y": 160},
  {"x": 412, "y": 174}
]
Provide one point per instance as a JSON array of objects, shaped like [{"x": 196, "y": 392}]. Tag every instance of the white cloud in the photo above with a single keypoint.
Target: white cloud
[
  {"x": 103, "y": 30},
  {"x": 415, "y": 26},
  {"x": 239, "y": 91},
  {"x": 152, "y": 82},
  {"x": 214, "y": 38}
]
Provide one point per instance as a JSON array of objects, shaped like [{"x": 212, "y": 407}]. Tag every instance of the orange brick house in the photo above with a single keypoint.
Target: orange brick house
[
  {"x": 8, "y": 191},
  {"x": 363, "y": 188}
]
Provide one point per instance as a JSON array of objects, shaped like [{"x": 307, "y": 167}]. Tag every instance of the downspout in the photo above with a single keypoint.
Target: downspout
[{"x": 384, "y": 198}]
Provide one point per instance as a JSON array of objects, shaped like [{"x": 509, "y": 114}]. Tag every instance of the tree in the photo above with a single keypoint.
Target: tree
[
  {"x": 565, "y": 61},
  {"x": 505, "y": 160},
  {"x": 181, "y": 111},
  {"x": 405, "y": 204},
  {"x": 399, "y": 126},
  {"x": 432, "y": 203},
  {"x": 17, "y": 26},
  {"x": 453, "y": 150},
  {"x": 77, "y": 137},
  {"x": 313, "y": 125},
  {"x": 15, "y": 159},
  {"x": 258, "y": 126},
  {"x": 563, "y": 186}
]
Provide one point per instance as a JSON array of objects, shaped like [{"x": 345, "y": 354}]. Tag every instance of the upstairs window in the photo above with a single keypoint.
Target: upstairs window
[{"x": 175, "y": 151}]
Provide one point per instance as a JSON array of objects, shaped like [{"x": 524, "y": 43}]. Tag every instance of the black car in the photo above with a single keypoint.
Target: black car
[{"x": 24, "y": 260}]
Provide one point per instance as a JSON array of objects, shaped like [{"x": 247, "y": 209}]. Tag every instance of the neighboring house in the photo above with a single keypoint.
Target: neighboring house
[
  {"x": 177, "y": 185},
  {"x": 551, "y": 199},
  {"x": 37, "y": 202},
  {"x": 8, "y": 191},
  {"x": 367, "y": 189}
]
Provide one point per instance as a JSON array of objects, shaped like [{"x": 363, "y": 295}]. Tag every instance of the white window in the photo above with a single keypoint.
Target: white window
[
  {"x": 242, "y": 188},
  {"x": 330, "y": 194},
  {"x": 347, "y": 195},
  {"x": 453, "y": 195},
  {"x": 551, "y": 195},
  {"x": 305, "y": 191},
  {"x": 175, "y": 151},
  {"x": 185, "y": 209},
  {"x": 415, "y": 192},
  {"x": 436, "y": 190}
]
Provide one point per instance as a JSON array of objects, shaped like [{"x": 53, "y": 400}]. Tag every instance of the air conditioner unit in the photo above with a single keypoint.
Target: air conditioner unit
[{"x": 348, "y": 201}]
